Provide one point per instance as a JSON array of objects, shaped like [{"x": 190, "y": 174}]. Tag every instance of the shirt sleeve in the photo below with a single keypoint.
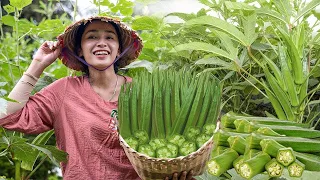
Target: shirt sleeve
[{"x": 39, "y": 113}]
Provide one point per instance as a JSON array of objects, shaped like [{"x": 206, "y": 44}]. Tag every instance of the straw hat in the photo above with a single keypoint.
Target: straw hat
[{"x": 128, "y": 38}]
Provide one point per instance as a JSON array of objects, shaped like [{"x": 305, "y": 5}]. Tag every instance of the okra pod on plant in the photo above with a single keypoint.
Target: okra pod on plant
[
  {"x": 254, "y": 166},
  {"x": 221, "y": 163},
  {"x": 296, "y": 169},
  {"x": 173, "y": 148},
  {"x": 274, "y": 168}
]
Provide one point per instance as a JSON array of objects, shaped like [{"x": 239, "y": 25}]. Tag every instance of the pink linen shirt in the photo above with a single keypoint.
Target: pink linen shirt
[{"x": 83, "y": 128}]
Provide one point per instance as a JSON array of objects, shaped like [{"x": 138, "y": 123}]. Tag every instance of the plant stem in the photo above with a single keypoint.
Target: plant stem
[
  {"x": 75, "y": 10},
  {"x": 17, "y": 169},
  {"x": 16, "y": 14},
  {"x": 36, "y": 168}
]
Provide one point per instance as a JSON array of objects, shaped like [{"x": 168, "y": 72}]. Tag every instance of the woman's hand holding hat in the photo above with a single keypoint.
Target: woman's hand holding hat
[{"x": 48, "y": 53}]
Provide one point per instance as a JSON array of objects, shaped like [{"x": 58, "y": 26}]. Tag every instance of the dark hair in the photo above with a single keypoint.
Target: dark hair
[{"x": 77, "y": 42}]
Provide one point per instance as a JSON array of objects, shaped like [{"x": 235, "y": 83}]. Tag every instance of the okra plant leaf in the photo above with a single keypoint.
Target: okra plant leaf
[
  {"x": 249, "y": 23},
  {"x": 8, "y": 8},
  {"x": 285, "y": 8},
  {"x": 20, "y": 3},
  {"x": 309, "y": 7},
  {"x": 227, "y": 42},
  {"x": 200, "y": 46},
  {"x": 147, "y": 23},
  {"x": 52, "y": 152},
  {"x": 239, "y": 6},
  {"x": 220, "y": 25},
  {"x": 8, "y": 20},
  {"x": 271, "y": 13}
]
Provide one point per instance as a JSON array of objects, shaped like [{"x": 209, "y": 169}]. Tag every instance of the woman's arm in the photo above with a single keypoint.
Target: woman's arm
[{"x": 46, "y": 55}]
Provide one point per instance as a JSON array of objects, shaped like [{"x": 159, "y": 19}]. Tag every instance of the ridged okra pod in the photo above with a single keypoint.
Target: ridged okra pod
[
  {"x": 237, "y": 143},
  {"x": 254, "y": 166},
  {"x": 221, "y": 163},
  {"x": 274, "y": 168},
  {"x": 296, "y": 169}
]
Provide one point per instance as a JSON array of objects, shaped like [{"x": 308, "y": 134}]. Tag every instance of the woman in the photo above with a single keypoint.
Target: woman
[{"x": 79, "y": 108}]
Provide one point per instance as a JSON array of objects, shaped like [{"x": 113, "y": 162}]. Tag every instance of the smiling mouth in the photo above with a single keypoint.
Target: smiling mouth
[{"x": 101, "y": 53}]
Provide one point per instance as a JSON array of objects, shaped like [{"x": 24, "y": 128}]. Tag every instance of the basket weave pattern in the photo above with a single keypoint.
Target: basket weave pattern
[{"x": 158, "y": 168}]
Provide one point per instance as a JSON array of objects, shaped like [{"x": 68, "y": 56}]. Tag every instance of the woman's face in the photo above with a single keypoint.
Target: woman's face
[{"x": 99, "y": 44}]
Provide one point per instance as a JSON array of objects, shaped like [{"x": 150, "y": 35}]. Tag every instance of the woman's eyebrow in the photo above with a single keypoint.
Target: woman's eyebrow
[{"x": 94, "y": 30}]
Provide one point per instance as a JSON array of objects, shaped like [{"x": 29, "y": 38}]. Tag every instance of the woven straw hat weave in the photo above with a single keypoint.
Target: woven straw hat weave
[{"x": 128, "y": 38}]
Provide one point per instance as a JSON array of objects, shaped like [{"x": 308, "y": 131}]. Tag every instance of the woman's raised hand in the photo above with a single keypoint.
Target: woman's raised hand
[{"x": 47, "y": 53}]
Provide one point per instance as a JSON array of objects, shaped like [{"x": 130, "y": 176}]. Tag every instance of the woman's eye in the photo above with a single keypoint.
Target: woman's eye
[
  {"x": 92, "y": 37},
  {"x": 109, "y": 37}
]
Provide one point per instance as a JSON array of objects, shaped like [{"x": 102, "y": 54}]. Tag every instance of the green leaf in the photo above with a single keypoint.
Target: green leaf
[
  {"x": 227, "y": 42},
  {"x": 313, "y": 4},
  {"x": 9, "y": 9},
  {"x": 55, "y": 155},
  {"x": 50, "y": 28},
  {"x": 220, "y": 25},
  {"x": 20, "y": 3},
  {"x": 272, "y": 13},
  {"x": 200, "y": 46},
  {"x": 238, "y": 6},
  {"x": 284, "y": 8},
  {"x": 249, "y": 27},
  {"x": 183, "y": 16},
  {"x": 8, "y": 20},
  {"x": 147, "y": 23}
]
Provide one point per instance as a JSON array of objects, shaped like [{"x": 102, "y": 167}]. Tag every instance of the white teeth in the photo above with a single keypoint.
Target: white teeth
[{"x": 101, "y": 53}]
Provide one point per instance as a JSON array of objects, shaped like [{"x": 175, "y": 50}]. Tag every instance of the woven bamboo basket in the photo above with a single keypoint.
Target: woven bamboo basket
[{"x": 158, "y": 168}]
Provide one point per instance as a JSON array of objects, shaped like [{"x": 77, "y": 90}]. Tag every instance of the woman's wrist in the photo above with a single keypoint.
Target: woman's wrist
[{"x": 35, "y": 69}]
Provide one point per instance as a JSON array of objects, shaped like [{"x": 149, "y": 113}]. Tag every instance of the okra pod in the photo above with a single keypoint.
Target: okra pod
[
  {"x": 142, "y": 136},
  {"x": 177, "y": 139},
  {"x": 218, "y": 150},
  {"x": 286, "y": 156},
  {"x": 221, "y": 163},
  {"x": 164, "y": 152},
  {"x": 187, "y": 147},
  {"x": 237, "y": 143},
  {"x": 274, "y": 168},
  {"x": 191, "y": 133},
  {"x": 157, "y": 143},
  {"x": 132, "y": 142},
  {"x": 254, "y": 166},
  {"x": 236, "y": 163},
  {"x": 147, "y": 150},
  {"x": 296, "y": 169},
  {"x": 202, "y": 139}
]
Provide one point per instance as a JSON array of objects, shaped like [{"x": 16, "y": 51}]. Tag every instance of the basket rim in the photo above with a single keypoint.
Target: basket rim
[{"x": 189, "y": 156}]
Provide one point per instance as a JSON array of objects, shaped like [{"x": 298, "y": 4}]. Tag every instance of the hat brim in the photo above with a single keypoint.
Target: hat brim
[{"x": 129, "y": 39}]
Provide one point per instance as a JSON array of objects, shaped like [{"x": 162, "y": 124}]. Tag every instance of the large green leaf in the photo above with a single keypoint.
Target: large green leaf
[
  {"x": 249, "y": 27},
  {"x": 284, "y": 7},
  {"x": 222, "y": 26},
  {"x": 20, "y": 3},
  {"x": 55, "y": 155},
  {"x": 238, "y": 6},
  {"x": 200, "y": 46},
  {"x": 8, "y": 20},
  {"x": 147, "y": 23},
  {"x": 313, "y": 4},
  {"x": 41, "y": 139},
  {"x": 227, "y": 42},
  {"x": 272, "y": 13}
]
